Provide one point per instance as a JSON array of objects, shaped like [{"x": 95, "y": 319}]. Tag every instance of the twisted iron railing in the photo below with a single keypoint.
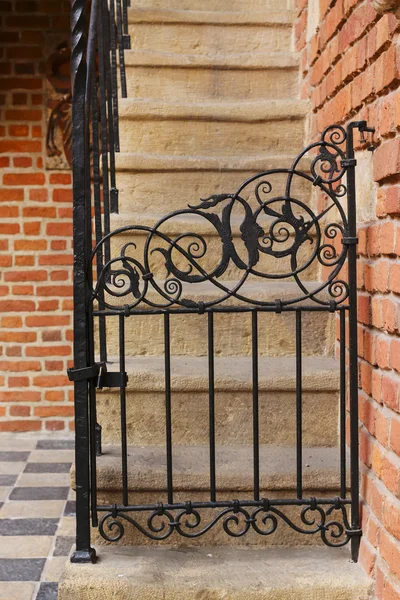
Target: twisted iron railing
[{"x": 155, "y": 272}]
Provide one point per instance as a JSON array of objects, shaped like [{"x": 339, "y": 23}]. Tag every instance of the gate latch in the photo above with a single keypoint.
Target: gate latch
[{"x": 105, "y": 378}]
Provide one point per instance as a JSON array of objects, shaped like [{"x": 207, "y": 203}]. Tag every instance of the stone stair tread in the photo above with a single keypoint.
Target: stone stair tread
[
  {"x": 231, "y": 373},
  {"x": 234, "y": 468},
  {"x": 212, "y": 17},
  {"x": 247, "y": 60},
  {"x": 233, "y": 111},
  {"x": 216, "y": 572},
  {"x": 136, "y": 161}
]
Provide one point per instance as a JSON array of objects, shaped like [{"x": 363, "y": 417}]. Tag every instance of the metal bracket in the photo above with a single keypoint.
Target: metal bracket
[
  {"x": 350, "y": 241},
  {"x": 126, "y": 42},
  {"x": 85, "y": 373},
  {"x": 348, "y": 162},
  {"x": 111, "y": 379}
]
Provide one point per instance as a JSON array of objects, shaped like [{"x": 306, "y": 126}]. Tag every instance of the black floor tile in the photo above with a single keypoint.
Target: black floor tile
[
  {"x": 28, "y": 526},
  {"x": 70, "y": 509},
  {"x": 10, "y": 456},
  {"x": 64, "y": 544},
  {"x": 38, "y": 467},
  {"x": 48, "y": 591},
  {"x": 55, "y": 445},
  {"x": 21, "y": 569},
  {"x": 39, "y": 493},
  {"x": 8, "y": 479}
]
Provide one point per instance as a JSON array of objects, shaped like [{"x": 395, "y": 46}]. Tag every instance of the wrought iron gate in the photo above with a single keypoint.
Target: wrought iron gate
[{"x": 117, "y": 281}]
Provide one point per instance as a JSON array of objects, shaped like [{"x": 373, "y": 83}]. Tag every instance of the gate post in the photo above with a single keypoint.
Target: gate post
[
  {"x": 351, "y": 241},
  {"x": 81, "y": 214}
]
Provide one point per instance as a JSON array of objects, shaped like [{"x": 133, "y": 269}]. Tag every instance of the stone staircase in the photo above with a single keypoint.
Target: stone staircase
[{"x": 213, "y": 100}]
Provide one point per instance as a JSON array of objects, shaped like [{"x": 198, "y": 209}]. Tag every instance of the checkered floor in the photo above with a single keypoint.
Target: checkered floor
[{"x": 37, "y": 519}]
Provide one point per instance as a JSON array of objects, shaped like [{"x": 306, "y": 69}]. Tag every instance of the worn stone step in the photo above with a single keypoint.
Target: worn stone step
[
  {"x": 233, "y": 401},
  {"x": 214, "y": 573},
  {"x": 196, "y": 32},
  {"x": 145, "y": 333},
  {"x": 215, "y": 5},
  {"x": 163, "y": 183},
  {"x": 212, "y": 128},
  {"x": 196, "y": 78},
  {"x": 234, "y": 479},
  {"x": 209, "y": 251}
]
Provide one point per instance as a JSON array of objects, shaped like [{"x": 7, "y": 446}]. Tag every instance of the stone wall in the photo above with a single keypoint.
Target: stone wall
[
  {"x": 350, "y": 70},
  {"x": 35, "y": 226}
]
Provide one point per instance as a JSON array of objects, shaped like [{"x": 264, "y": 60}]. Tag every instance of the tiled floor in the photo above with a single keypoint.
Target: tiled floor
[{"x": 37, "y": 519}]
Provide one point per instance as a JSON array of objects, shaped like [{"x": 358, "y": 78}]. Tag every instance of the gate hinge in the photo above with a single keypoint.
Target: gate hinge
[
  {"x": 84, "y": 374},
  {"x": 126, "y": 42},
  {"x": 348, "y": 162},
  {"x": 350, "y": 241}
]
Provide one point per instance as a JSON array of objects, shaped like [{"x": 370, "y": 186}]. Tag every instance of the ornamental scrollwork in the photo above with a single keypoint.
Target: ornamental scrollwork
[
  {"x": 274, "y": 227},
  {"x": 329, "y": 521}
]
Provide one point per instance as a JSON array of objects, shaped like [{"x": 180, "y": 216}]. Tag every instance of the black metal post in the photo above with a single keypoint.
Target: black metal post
[
  {"x": 351, "y": 242},
  {"x": 83, "y": 552}
]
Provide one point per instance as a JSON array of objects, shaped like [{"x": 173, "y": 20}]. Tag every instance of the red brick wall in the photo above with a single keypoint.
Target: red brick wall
[
  {"x": 35, "y": 228},
  {"x": 350, "y": 70}
]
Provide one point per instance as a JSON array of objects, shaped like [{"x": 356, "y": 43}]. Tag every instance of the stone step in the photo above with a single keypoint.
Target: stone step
[
  {"x": 215, "y": 5},
  {"x": 234, "y": 479},
  {"x": 233, "y": 401},
  {"x": 197, "y": 78},
  {"x": 212, "y": 128},
  {"x": 194, "y": 32},
  {"x": 163, "y": 183},
  {"x": 214, "y": 573},
  {"x": 210, "y": 251},
  {"x": 145, "y": 333}
]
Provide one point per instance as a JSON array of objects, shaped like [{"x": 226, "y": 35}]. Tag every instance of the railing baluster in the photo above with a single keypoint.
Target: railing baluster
[
  {"x": 167, "y": 354},
  {"x": 122, "y": 391},
  {"x": 114, "y": 82},
  {"x": 109, "y": 101},
  {"x": 256, "y": 426},
  {"x": 211, "y": 396},
  {"x": 299, "y": 406},
  {"x": 103, "y": 130},
  {"x": 342, "y": 403},
  {"x": 122, "y": 73}
]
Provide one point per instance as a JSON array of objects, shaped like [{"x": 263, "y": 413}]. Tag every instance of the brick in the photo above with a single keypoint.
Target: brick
[
  {"x": 17, "y": 336},
  {"x": 55, "y": 425},
  {"x": 390, "y": 392},
  {"x": 24, "y": 179},
  {"x": 18, "y": 382},
  {"x": 387, "y": 159},
  {"x": 16, "y": 396},
  {"x": 395, "y": 278},
  {"x": 48, "y": 350},
  {"x": 34, "y": 245},
  {"x": 20, "y": 411},
  {"x": 51, "y": 381},
  {"x": 56, "y": 259},
  {"x": 390, "y": 551},
  {"x": 16, "y": 305},
  {"x": 395, "y": 355},
  {"x": 40, "y": 275},
  {"x": 46, "y": 212},
  {"x": 48, "y": 321},
  {"x": 55, "y": 396},
  {"x": 19, "y": 366},
  {"x": 54, "y": 411},
  {"x": 18, "y": 425},
  {"x": 395, "y": 436},
  {"x": 62, "y": 195}
]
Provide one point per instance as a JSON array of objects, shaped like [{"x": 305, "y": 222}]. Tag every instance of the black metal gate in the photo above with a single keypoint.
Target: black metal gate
[{"x": 117, "y": 281}]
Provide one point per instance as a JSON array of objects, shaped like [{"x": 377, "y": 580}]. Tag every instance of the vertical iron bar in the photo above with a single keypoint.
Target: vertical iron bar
[
  {"x": 299, "y": 406},
  {"x": 167, "y": 353},
  {"x": 122, "y": 73},
  {"x": 211, "y": 396},
  {"x": 109, "y": 103},
  {"x": 97, "y": 209},
  {"x": 125, "y": 16},
  {"x": 104, "y": 140},
  {"x": 83, "y": 552},
  {"x": 342, "y": 403},
  {"x": 353, "y": 349},
  {"x": 256, "y": 426},
  {"x": 114, "y": 82},
  {"x": 122, "y": 391}
]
